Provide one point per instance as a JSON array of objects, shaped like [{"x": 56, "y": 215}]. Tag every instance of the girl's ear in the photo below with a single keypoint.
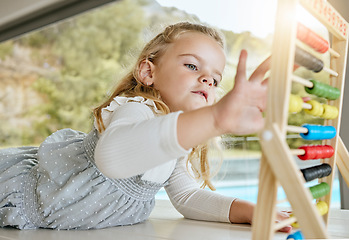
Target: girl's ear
[{"x": 146, "y": 72}]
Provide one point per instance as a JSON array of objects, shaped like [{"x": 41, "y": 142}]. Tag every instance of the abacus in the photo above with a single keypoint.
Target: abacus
[{"x": 310, "y": 205}]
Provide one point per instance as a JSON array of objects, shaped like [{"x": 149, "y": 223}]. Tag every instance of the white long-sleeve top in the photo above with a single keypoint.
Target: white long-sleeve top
[{"x": 138, "y": 140}]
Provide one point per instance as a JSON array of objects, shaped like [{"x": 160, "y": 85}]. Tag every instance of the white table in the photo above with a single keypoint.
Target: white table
[{"x": 166, "y": 223}]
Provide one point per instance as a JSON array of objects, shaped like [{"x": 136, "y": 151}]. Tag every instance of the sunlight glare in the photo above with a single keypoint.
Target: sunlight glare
[
  {"x": 304, "y": 17},
  {"x": 234, "y": 15}
]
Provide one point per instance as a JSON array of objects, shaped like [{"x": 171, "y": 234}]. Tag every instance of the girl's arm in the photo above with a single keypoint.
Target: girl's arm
[
  {"x": 200, "y": 204},
  {"x": 238, "y": 112},
  {"x": 241, "y": 211},
  {"x": 136, "y": 141},
  {"x": 192, "y": 201}
]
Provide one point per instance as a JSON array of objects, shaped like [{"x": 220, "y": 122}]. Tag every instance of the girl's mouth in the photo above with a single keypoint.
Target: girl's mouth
[{"x": 202, "y": 93}]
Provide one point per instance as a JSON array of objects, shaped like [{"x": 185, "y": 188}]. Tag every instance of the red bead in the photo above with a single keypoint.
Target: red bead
[{"x": 316, "y": 152}]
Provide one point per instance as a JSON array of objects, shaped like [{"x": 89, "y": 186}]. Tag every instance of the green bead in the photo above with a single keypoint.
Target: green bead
[
  {"x": 320, "y": 190},
  {"x": 323, "y": 90}
]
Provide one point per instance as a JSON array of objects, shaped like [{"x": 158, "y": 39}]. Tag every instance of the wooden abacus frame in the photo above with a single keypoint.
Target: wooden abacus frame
[{"x": 277, "y": 166}]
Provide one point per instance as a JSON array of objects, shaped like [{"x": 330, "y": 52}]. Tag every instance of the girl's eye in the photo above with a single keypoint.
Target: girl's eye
[
  {"x": 191, "y": 67},
  {"x": 215, "y": 83}
]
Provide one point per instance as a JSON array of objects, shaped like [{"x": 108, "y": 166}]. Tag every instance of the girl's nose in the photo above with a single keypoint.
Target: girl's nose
[{"x": 207, "y": 81}]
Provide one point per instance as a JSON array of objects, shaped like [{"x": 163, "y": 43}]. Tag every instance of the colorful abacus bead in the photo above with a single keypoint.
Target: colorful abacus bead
[
  {"x": 295, "y": 236},
  {"x": 323, "y": 90},
  {"x": 329, "y": 112},
  {"x": 315, "y": 172},
  {"x": 307, "y": 60},
  {"x": 318, "y": 132},
  {"x": 316, "y": 152},
  {"x": 319, "y": 190},
  {"x": 322, "y": 207},
  {"x": 295, "y": 104},
  {"x": 322, "y": 110},
  {"x": 316, "y": 108},
  {"x": 312, "y": 39}
]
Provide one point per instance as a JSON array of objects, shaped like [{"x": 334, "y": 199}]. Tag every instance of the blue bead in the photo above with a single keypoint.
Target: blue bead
[
  {"x": 318, "y": 132},
  {"x": 296, "y": 236}
]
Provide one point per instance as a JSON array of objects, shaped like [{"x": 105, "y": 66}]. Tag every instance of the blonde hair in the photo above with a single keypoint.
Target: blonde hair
[{"x": 131, "y": 86}]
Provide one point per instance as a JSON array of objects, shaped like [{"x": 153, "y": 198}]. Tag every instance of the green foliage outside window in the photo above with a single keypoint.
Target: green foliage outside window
[{"x": 66, "y": 69}]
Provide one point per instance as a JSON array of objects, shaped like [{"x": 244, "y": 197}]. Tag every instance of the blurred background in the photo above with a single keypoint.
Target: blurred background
[{"x": 60, "y": 59}]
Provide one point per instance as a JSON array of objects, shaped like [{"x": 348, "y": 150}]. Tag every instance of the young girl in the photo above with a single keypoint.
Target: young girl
[{"x": 145, "y": 136}]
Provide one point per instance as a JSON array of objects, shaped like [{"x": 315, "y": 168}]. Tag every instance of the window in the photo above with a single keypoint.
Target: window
[{"x": 52, "y": 78}]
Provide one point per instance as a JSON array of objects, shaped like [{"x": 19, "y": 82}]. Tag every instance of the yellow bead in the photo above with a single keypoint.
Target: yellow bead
[
  {"x": 295, "y": 104},
  {"x": 316, "y": 108},
  {"x": 322, "y": 207},
  {"x": 330, "y": 112},
  {"x": 294, "y": 224}
]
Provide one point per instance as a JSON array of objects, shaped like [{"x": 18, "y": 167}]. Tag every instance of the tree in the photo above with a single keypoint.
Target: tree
[{"x": 91, "y": 49}]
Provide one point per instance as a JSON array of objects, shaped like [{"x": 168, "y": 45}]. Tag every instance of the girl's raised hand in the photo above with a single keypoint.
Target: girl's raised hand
[
  {"x": 283, "y": 215},
  {"x": 240, "y": 111}
]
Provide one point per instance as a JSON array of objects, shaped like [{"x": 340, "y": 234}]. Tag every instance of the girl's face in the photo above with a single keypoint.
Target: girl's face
[{"x": 189, "y": 71}]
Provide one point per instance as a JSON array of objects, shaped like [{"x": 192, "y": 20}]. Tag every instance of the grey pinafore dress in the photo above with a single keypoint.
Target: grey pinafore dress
[{"x": 58, "y": 186}]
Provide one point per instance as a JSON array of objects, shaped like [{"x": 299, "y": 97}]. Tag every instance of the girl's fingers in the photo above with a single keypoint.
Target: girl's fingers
[
  {"x": 286, "y": 229},
  {"x": 265, "y": 82},
  {"x": 282, "y": 216},
  {"x": 261, "y": 70},
  {"x": 241, "y": 68}
]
